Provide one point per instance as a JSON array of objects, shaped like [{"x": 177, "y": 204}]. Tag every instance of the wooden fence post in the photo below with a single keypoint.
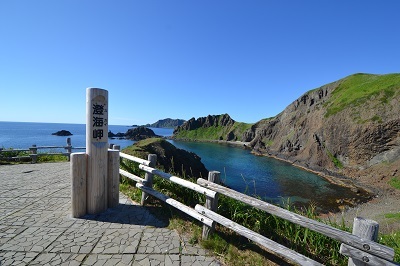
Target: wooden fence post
[
  {"x": 116, "y": 147},
  {"x": 211, "y": 203},
  {"x": 148, "y": 177},
  {"x": 69, "y": 149},
  {"x": 113, "y": 178},
  {"x": 97, "y": 149},
  {"x": 33, "y": 154},
  {"x": 366, "y": 229},
  {"x": 78, "y": 178}
]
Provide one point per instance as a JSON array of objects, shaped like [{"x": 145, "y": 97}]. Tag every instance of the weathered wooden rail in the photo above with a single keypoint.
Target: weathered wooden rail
[
  {"x": 32, "y": 153},
  {"x": 360, "y": 246}
]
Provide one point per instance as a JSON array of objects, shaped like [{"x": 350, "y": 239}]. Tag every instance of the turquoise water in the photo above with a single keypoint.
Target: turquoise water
[{"x": 272, "y": 180}]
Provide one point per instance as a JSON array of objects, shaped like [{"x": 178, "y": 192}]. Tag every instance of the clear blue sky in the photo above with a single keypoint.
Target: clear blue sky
[{"x": 182, "y": 59}]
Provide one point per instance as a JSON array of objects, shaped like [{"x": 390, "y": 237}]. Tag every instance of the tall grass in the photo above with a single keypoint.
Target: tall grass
[{"x": 237, "y": 250}]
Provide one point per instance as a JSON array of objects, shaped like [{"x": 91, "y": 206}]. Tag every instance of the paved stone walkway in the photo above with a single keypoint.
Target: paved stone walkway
[{"x": 36, "y": 227}]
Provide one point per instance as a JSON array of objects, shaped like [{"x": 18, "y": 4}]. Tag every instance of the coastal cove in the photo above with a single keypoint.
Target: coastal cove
[{"x": 272, "y": 180}]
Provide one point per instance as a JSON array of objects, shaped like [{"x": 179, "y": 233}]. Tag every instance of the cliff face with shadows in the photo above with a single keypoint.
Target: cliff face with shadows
[{"x": 349, "y": 127}]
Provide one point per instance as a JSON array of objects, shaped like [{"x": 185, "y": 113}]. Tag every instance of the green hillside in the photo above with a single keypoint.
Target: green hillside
[
  {"x": 355, "y": 90},
  {"x": 233, "y": 132}
]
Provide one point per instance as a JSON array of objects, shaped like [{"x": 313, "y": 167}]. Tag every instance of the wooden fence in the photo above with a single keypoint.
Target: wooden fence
[
  {"x": 360, "y": 246},
  {"x": 32, "y": 153}
]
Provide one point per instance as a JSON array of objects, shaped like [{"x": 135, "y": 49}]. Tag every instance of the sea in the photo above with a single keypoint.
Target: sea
[{"x": 272, "y": 180}]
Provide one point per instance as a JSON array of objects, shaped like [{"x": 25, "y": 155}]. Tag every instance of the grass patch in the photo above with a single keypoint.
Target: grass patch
[
  {"x": 335, "y": 160},
  {"x": 393, "y": 215},
  {"x": 357, "y": 89},
  {"x": 395, "y": 182},
  {"x": 51, "y": 158},
  {"x": 392, "y": 240}
]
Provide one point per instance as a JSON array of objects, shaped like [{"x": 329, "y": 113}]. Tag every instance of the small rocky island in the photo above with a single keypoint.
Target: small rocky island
[
  {"x": 62, "y": 133},
  {"x": 138, "y": 133}
]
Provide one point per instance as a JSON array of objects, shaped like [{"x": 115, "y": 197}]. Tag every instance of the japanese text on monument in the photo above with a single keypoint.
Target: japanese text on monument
[{"x": 99, "y": 119}]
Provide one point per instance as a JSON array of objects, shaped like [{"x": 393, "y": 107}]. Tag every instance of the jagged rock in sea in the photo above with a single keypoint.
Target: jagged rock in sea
[{"x": 118, "y": 135}]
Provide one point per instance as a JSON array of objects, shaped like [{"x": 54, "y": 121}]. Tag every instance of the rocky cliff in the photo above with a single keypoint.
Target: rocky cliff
[
  {"x": 170, "y": 158},
  {"x": 137, "y": 133},
  {"x": 167, "y": 123},
  {"x": 349, "y": 127},
  {"x": 211, "y": 127}
]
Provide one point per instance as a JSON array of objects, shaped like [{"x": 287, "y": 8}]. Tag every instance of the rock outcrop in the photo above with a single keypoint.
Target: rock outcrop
[
  {"x": 211, "y": 127},
  {"x": 140, "y": 133},
  {"x": 167, "y": 123},
  {"x": 62, "y": 133},
  {"x": 211, "y": 120},
  {"x": 137, "y": 133},
  {"x": 170, "y": 158}
]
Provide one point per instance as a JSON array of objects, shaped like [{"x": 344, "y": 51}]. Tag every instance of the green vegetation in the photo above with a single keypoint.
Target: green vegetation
[
  {"x": 335, "y": 160},
  {"x": 138, "y": 149},
  {"x": 357, "y": 89},
  {"x": 393, "y": 215},
  {"x": 376, "y": 118},
  {"x": 166, "y": 123},
  {"x": 8, "y": 156},
  {"x": 234, "y": 249},
  {"x": 395, "y": 182},
  {"x": 392, "y": 240},
  {"x": 52, "y": 158},
  {"x": 214, "y": 132}
]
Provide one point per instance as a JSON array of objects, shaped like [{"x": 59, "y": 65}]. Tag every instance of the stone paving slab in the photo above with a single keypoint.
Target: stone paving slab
[{"x": 36, "y": 227}]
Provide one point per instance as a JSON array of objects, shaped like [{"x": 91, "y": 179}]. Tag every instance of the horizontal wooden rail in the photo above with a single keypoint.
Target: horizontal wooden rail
[
  {"x": 33, "y": 151},
  {"x": 367, "y": 246},
  {"x": 365, "y": 257},
  {"x": 53, "y": 153},
  {"x": 20, "y": 157},
  {"x": 180, "y": 206},
  {"x": 260, "y": 239},
  {"x": 131, "y": 176},
  {"x": 179, "y": 181},
  {"x": 133, "y": 158},
  {"x": 13, "y": 150},
  {"x": 51, "y": 147}
]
